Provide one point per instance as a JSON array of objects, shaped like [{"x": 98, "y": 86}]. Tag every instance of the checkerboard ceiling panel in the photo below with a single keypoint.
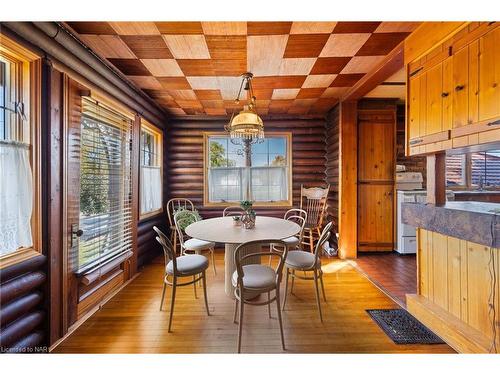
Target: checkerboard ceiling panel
[{"x": 193, "y": 68}]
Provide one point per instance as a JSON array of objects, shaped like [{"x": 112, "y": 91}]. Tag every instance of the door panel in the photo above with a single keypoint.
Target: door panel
[
  {"x": 414, "y": 108},
  {"x": 447, "y": 94},
  {"x": 489, "y": 75},
  {"x": 460, "y": 87},
  {"x": 376, "y": 168},
  {"x": 434, "y": 99}
]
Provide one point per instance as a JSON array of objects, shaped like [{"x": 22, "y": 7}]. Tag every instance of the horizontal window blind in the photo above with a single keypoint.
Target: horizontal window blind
[{"x": 105, "y": 185}]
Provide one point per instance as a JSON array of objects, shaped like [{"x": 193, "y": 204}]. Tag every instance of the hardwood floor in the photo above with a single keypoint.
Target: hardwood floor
[
  {"x": 132, "y": 323},
  {"x": 395, "y": 274}
]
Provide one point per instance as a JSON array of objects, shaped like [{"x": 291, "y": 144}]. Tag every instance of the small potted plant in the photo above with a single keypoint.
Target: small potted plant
[{"x": 237, "y": 220}]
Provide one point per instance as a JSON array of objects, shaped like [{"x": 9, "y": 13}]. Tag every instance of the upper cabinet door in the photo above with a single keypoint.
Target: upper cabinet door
[
  {"x": 446, "y": 94},
  {"x": 460, "y": 87},
  {"x": 489, "y": 75},
  {"x": 434, "y": 107},
  {"x": 414, "y": 108}
]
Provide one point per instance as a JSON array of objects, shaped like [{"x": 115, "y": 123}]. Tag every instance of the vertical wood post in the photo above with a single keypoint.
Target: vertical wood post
[
  {"x": 436, "y": 179},
  {"x": 348, "y": 180}
]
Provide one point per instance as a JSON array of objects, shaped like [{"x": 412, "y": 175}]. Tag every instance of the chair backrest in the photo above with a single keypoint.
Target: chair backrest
[
  {"x": 233, "y": 211},
  {"x": 168, "y": 252},
  {"x": 176, "y": 203},
  {"x": 181, "y": 221},
  {"x": 325, "y": 235},
  {"x": 313, "y": 201},
  {"x": 240, "y": 256},
  {"x": 298, "y": 216}
]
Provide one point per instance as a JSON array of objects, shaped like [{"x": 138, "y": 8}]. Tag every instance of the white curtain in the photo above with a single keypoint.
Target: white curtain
[
  {"x": 269, "y": 184},
  {"x": 227, "y": 184},
  {"x": 150, "y": 189},
  {"x": 16, "y": 197}
]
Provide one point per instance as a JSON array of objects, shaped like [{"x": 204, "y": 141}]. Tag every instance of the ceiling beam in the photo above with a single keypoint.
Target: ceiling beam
[{"x": 393, "y": 62}]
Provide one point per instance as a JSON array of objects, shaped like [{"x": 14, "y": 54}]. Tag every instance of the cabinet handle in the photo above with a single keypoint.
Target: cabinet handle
[
  {"x": 493, "y": 123},
  {"x": 459, "y": 87},
  {"x": 445, "y": 94},
  {"x": 416, "y": 71},
  {"x": 416, "y": 141}
]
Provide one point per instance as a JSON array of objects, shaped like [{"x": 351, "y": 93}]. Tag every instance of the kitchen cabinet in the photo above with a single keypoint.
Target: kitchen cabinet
[{"x": 453, "y": 92}]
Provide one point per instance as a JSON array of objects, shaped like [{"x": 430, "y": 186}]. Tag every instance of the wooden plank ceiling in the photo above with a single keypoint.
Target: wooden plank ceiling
[{"x": 193, "y": 68}]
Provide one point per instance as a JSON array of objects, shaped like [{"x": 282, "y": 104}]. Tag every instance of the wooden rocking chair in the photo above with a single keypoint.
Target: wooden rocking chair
[{"x": 313, "y": 201}]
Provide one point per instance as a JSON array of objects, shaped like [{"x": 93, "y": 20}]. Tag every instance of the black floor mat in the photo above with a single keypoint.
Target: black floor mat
[{"x": 403, "y": 328}]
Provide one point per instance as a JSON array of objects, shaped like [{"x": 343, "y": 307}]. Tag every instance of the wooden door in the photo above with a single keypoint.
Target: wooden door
[
  {"x": 100, "y": 222},
  {"x": 376, "y": 173}
]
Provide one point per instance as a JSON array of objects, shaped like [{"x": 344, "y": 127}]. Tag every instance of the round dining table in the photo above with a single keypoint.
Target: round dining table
[{"x": 223, "y": 230}]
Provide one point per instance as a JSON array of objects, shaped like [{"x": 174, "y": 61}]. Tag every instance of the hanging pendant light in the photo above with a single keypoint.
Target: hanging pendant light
[{"x": 247, "y": 124}]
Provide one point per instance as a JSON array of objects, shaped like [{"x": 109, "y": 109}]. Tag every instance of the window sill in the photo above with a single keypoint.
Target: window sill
[
  {"x": 150, "y": 214},
  {"x": 17, "y": 257},
  {"x": 283, "y": 204}
]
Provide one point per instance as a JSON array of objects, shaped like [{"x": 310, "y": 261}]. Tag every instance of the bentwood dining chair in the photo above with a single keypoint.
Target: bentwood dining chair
[
  {"x": 304, "y": 261},
  {"x": 192, "y": 245},
  {"x": 313, "y": 201},
  {"x": 173, "y": 205},
  {"x": 180, "y": 267},
  {"x": 299, "y": 217},
  {"x": 251, "y": 279},
  {"x": 233, "y": 211}
]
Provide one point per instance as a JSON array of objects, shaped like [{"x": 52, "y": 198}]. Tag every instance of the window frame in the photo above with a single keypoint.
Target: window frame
[
  {"x": 467, "y": 175},
  {"x": 27, "y": 91},
  {"x": 284, "y": 203},
  {"x": 158, "y": 137}
]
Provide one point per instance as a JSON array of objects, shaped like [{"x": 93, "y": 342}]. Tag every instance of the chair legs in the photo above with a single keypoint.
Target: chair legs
[
  {"x": 269, "y": 305},
  {"x": 240, "y": 325},
  {"x": 174, "y": 240},
  {"x": 317, "y": 295},
  {"x": 278, "y": 308},
  {"x": 235, "y": 310},
  {"x": 322, "y": 285},
  {"x": 163, "y": 295},
  {"x": 194, "y": 287},
  {"x": 172, "y": 302},
  {"x": 311, "y": 240},
  {"x": 286, "y": 287},
  {"x": 212, "y": 251},
  {"x": 204, "y": 279},
  {"x": 174, "y": 288}
]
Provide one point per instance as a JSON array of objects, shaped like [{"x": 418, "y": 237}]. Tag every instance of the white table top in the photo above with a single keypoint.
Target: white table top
[{"x": 222, "y": 229}]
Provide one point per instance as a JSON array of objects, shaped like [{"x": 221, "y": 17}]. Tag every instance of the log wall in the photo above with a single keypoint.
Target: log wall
[
  {"x": 22, "y": 316},
  {"x": 184, "y": 167},
  {"x": 332, "y": 163}
]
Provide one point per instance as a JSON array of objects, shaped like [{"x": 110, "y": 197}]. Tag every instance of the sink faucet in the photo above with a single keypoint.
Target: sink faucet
[{"x": 480, "y": 184}]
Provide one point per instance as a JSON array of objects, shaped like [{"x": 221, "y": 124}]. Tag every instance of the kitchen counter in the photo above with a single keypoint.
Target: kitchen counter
[{"x": 477, "y": 222}]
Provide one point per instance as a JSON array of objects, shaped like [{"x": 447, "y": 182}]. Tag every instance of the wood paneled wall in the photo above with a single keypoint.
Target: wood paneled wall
[
  {"x": 456, "y": 281},
  {"x": 184, "y": 168},
  {"x": 22, "y": 315},
  {"x": 332, "y": 163}
]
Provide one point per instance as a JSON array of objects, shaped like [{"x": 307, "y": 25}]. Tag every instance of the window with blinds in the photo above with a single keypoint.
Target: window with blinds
[{"x": 105, "y": 185}]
